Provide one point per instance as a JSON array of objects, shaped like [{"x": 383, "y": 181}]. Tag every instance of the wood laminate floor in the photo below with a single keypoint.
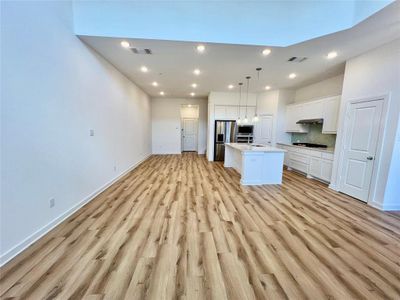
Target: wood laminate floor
[{"x": 179, "y": 227}]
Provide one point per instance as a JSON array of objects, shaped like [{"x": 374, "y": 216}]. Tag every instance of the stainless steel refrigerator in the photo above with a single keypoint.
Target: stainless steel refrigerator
[{"x": 225, "y": 132}]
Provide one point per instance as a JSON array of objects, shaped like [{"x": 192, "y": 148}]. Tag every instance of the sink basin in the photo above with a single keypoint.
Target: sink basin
[{"x": 258, "y": 145}]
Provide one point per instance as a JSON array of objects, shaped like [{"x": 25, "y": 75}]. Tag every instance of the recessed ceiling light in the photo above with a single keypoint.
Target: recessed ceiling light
[
  {"x": 192, "y": 94},
  {"x": 292, "y": 75},
  {"x": 125, "y": 44},
  {"x": 266, "y": 52},
  {"x": 196, "y": 72},
  {"x": 144, "y": 69},
  {"x": 194, "y": 85},
  {"x": 155, "y": 83},
  {"x": 189, "y": 105},
  {"x": 162, "y": 93},
  {"x": 331, "y": 55},
  {"x": 230, "y": 86},
  {"x": 201, "y": 48},
  {"x": 267, "y": 87}
]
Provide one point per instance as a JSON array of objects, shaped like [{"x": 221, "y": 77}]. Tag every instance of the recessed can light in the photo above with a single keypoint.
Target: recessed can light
[
  {"x": 144, "y": 69},
  {"x": 331, "y": 55},
  {"x": 196, "y": 72},
  {"x": 292, "y": 75},
  {"x": 155, "y": 83},
  {"x": 125, "y": 44},
  {"x": 192, "y": 94},
  {"x": 201, "y": 48},
  {"x": 194, "y": 85},
  {"x": 230, "y": 86},
  {"x": 162, "y": 93},
  {"x": 267, "y": 87},
  {"x": 266, "y": 52}
]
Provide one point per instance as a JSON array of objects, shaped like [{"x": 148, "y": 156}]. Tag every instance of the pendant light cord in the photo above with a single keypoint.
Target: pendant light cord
[{"x": 247, "y": 95}]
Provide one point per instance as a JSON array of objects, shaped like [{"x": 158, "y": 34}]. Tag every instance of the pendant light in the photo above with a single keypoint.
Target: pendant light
[
  {"x": 246, "y": 120},
  {"x": 255, "y": 118},
  {"x": 238, "y": 121}
]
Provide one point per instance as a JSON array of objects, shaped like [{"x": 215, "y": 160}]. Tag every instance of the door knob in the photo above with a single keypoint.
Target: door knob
[{"x": 370, "y": 157}]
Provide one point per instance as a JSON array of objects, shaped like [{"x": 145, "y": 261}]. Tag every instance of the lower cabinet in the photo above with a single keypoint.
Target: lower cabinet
[
  {"x": 320, "y": 168},
  {"x": 311, "y": 162}
]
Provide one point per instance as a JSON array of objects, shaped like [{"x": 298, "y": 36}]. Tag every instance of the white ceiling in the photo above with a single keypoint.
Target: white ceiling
[{"x": 172, "y": 63}]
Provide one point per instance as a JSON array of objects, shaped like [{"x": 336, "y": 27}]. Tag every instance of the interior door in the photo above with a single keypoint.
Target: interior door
[
  {"x": 361, "y": 137},
  {"x": 189, "y": 135},
  {"x": 264, "y": 129}
]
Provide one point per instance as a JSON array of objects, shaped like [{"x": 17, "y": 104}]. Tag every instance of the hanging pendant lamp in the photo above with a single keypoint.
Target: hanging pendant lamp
[
  {"x": 239, "y": 121},
  {"x": 246, "y": 120},
  {"x": 255, "y": 118}
]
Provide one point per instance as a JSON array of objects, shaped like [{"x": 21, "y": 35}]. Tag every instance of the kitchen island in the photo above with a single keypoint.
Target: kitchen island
[{"x": 257, "y": 164}]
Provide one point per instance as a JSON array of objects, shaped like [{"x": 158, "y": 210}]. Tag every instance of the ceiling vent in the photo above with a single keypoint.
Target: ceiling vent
[
  {"x": 297, "y": 59},
  {"x": 141, "y": 51}
]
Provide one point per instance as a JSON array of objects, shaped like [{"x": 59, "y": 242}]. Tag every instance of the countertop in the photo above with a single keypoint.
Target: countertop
[
  {"x": 253, "y": 148},
  {"x": 327, "y": 150}
]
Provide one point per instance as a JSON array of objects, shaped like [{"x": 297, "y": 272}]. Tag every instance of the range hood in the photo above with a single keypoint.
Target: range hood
[{"x": 310, "y": 121}]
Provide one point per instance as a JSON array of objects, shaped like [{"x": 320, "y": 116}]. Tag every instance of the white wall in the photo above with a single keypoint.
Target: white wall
[
  {"x": 166, "y": 124},
  {"x": 325, "y": 88},
  {"x": 54, "y": 89},
  {"x": 374, "y": 74}
]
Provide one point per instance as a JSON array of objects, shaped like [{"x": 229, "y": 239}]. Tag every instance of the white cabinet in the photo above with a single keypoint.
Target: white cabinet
[
  {"x": 220, "y": 112},
  {"x": 293, "y": 114},
  {"x": 326, "y": 109},
  {"x": 251, "y": 110},
  {"x": 330, "y": 116},
  {"x": 231, "y": 112},
  {"x": 263, "y": 129},
  {"x": 314, "y": 163},
  {"x": 312, "y": 110}
]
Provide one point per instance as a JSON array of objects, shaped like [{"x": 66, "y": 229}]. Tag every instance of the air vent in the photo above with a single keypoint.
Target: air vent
[
  {"x": 141, "y": 51},
  {"x": 297, "y": 59}
]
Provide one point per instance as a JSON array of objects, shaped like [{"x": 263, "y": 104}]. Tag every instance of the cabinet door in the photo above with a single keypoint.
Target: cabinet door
[
  {"x": 220, "y": 112},
  {"x": 331, "y": 112},
  {"x": 312, "y": 110},
  {"x": 315, "y": 167},
  {"x": 326, "y": 170},
  {"x": 249, "y": 113},
  {"x": 293, "y": 114},
  {"x": 264, "y": 129},
  {"x": 232, "y": 112}
]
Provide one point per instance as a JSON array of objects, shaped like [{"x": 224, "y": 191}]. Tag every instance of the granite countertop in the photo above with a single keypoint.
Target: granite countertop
[
  {"x": 327, "y": 150},
  {"x": 254, "y": 147}
]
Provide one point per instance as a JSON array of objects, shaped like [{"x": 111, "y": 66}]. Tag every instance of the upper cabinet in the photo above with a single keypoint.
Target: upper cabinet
[
  {"x": 330, "y": 115},
  {"x": 232, "y": 112},
  {"x": 293, "y": 114},
  {"x": 326, "y": 109}
]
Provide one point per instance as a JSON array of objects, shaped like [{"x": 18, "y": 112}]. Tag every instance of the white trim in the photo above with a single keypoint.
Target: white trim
[{"x": 20, "y": 247}]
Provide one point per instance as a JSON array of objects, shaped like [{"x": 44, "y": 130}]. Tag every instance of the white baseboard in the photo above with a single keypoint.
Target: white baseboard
[
  {"x": 333, "y": 187},
  {"x": 17, "y": 249},
  {"x": 384, "y": 207}
]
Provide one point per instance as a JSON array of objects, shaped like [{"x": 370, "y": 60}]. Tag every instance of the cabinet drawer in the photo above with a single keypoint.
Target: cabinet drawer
[
  {"x": 298, "y": 157},
  {"x": 299, "y": 166},
  {"x": 327, "y": 155},
  {"x": 315, "y": 153}
]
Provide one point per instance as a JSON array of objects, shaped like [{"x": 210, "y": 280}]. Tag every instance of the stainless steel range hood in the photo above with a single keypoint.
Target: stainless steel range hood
[{"x": 310, "y": 121}]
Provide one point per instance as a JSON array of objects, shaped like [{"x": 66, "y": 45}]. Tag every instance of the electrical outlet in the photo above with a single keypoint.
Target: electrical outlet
[
  {"x": 52, "y": 202},
  {"x": 91, "y": 132}
]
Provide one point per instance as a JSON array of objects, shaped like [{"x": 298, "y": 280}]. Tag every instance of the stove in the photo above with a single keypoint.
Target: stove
[{"x": 310, "y": 145}]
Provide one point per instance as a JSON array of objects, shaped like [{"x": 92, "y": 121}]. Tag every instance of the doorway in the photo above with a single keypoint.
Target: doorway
[
  {"x": 189, "y": 128},
  {"x": 362, "y": 129}
]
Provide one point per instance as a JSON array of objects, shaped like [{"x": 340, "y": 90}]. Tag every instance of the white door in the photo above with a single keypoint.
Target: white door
[
  {"x": 361, "y": 137},
  {"x": 264, "y": 129},
  {"x": 189, "y": 135}
]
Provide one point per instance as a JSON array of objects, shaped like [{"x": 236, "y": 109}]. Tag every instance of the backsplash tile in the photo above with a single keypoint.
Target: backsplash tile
[{"x": 315, "y": 136}]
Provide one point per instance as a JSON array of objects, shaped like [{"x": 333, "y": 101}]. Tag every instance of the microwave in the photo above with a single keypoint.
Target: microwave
[{"x": 245, "y": 129}]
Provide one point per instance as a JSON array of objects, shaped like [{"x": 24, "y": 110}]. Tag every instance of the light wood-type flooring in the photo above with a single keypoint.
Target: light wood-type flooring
[{"x": 180, "y": 227}]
